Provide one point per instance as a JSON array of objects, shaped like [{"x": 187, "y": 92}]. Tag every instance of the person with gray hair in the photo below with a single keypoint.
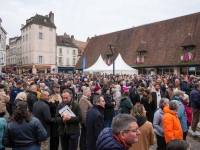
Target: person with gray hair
[
  {"x": 123, "y": 133},
  {"x": 171, "y": 124},
  {"x": 158, "y": 124},
  {"x": 95, "y": 121},
  {"x": 85, "y": 105}
]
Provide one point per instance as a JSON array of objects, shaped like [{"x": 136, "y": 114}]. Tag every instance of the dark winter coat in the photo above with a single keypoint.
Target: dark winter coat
[
  {"x": 31, "y": 133},
  {"x": 94, "y": 124},
  {"x": 183, "y": 86},
  {"x": 13, "y": 93},
  {"x": 42, "y": 112},
  {"x": 149, "y": 107},
  {"x": 109, "y": 111},
  {"x": 31, "y": 99},
  {"x": 195, "y": 99},
  {"x": 134, "y": 96},
  {"x": 125, "y": 105},
  {"x": 190, "y": 87},
  {"x": 106, "y": 141},
  {"x": 72, "y": 125},
  {"x": 53, "y": 125}
]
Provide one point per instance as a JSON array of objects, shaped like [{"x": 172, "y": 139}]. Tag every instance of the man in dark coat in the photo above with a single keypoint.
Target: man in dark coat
[
  {"x": 42, "y": 112},
  {"x": 119, "y": 137},
  {"x": 68, "y": 86},
  {"x": 134, "y": 96},
  {"x": 32, "y": 97},
  {"x": 95, "y": 122}
]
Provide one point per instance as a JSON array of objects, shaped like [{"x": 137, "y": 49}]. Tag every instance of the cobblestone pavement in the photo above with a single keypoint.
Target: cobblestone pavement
[{"x": 194, "y": 142}]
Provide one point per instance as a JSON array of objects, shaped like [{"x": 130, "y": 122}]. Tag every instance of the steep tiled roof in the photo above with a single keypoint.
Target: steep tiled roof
[
  {"x": 39, "y": 19},
  {"x": 81, "y": 45},
  {"x": 164, "y": 40},
  {"x": 64, "y": 41},
  {"x": 142, "y": 47},
  {"x": 189, "y": 41}
]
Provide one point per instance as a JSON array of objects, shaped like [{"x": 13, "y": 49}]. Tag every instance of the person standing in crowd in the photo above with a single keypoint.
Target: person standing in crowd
[
  {"x": 32, "y": 97},
  {"x": 117, "y": 97},
  {"x": 3, "y": 125},
  {"x": 109, "y": 111},
  {"x": 13, "y": 93},
  {"x": 146, "y": 139},
  {"x": 54, "y": 100},
  {"x": 179, "y": 95},
  {"x": 188, "y": 110},
  {"x": 28, "y": 127},
  {"x": 158, "y": 124},
  {"x": 159, "y": 93},
  {"x": 169, "y": 93},
  {"x": 97, "y": 92},
  {"x": 20, "y": 97},
  {"x": 68, "y": 86},
  {"x": 85, "y": 105},
  {"x": 171, "y": 124},
  {"x": 150, "y": 105},
  {"x": 42, "y": 112},
  {"x": 123, "y": 133},
  {"x": 177, "y": 144},
  {"x": 43, "y": 88},
  {"x": 134, "y": 96},
  {"x": 68, "y": 126},
  {"x": 190, "y": 85},
  {"x": 125, "y": 102},
  {"x": 195, "y": 105},
  {"x": 95, "y": 122},
  {"x": 3, "y": 100}
]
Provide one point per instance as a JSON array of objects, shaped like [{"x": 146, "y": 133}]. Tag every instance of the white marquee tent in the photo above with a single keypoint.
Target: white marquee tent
[
  {"x": 99, "y": 65},
  {"x": 120, "y": 67}
]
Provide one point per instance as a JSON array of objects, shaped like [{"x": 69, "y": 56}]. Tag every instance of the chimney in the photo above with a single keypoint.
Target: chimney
[
  {"x": 72, "y": 39},
  {"x": 65, "y": 34},
  {"x": 88, "y": 39},
  {"x": 22, "y": 25},
  {"x": 51, "y": 16},
  {"x": 26, "y": 21},
  {"x": 0, "y": 22}
]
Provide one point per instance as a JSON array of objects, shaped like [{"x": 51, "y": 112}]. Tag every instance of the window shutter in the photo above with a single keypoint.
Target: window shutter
[
  {"x": 43, "y": 60},
  {"x": 38, "y": 35},
  {"x": 38, "y": 59},
  {"x": 43, "y": 36}
]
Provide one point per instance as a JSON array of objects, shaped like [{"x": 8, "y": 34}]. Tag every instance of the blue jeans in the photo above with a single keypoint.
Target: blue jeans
[
  {"x": 31, "y": 148},
  {"x": 108, "y": 122}
]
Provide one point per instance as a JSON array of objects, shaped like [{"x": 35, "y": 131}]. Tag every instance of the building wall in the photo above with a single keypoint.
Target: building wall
[
  {"x": 67, "y": 56},
  {"x": 2, "y": 46},
  {"x": 36, "y": 51}
]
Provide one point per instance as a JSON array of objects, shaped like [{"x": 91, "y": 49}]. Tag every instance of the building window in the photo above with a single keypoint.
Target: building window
[
  {"x": 26, "y": 48},
  {"x": 60, "y": 51},
  {"x": 40, "y": 47},
  {"x": 26, "y": 29},
  {"x": 60, "y": 60},
  {"x": 23, "y": 38},
  {"x": 67, "y": 61},
  {"x": 50, "y": 48},
  {"x": 50, "y": 29},
  {"x": 29, "y": 36},
  {"x": 67, "y": 51},
  {"x": 45, "y": 20},
  {"x": 41, "y": 36},
  {"x": 26, "y": 37},
  {"x": 50, "y": 60},
  {"x": 50, "y": 37},
  {"x": 74, "y": 52},
  {"x": 74, "y": 61},
  {"x": 40, "y": 27},
  {"x": 40, "y": 60},
  {"x": 29, "y": 27}
]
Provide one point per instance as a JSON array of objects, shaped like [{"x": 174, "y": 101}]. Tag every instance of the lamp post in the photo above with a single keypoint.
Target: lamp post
[{"x": 112, "y": 47}]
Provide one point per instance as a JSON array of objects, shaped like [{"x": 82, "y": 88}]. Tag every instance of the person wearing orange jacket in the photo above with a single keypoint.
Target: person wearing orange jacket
[{"x": 171, "y": 124}]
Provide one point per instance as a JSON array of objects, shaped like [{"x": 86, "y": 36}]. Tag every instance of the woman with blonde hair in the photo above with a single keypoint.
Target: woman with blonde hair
[
  {"x": 146, "y": 137},
  {"x": 150, "y": 104},
  {"x": 20, "y": 97}
]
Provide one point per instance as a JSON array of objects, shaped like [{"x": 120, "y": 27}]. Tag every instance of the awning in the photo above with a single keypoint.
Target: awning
[
  {"x": 41, "y": 69},
  {"x": 28, "y": 70}
]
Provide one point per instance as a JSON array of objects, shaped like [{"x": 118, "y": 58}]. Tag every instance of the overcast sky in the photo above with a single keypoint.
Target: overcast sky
[{"x": 83, "y": 18}]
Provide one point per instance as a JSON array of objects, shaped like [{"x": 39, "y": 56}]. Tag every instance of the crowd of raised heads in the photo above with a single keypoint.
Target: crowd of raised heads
[{"x": 98, "y": 111}]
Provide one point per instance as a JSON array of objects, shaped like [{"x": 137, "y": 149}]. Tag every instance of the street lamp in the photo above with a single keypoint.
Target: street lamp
[{"x": 112, "y": 47}]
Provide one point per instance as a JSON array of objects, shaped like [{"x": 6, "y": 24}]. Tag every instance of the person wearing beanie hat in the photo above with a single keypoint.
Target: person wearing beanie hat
[
  {"x": 4, "y": 99},
  {"x": 97, "y": 91}
]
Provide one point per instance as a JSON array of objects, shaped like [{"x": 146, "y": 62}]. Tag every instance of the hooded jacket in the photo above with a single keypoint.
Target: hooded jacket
[
  {"x": 171, "y": 125},
  {"x": 157, "y": 122},
  {"x": 195, "y": 99},
  {"x": 106, "y": 141},
  {"x": 125, "y": 105}
]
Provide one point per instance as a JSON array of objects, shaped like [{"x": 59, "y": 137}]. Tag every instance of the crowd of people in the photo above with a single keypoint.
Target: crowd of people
[{"x": 109, "y": 112}]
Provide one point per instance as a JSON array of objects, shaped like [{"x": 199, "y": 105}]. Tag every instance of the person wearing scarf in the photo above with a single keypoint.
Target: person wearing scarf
[{"x": 146, "y": 139}]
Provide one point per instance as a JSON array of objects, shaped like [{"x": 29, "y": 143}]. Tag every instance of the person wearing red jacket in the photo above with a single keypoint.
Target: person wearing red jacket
[{"x": 188, "y": 110}]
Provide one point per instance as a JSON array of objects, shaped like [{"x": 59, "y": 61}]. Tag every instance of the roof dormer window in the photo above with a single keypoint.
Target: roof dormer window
[{"x": 45, "y": 20}]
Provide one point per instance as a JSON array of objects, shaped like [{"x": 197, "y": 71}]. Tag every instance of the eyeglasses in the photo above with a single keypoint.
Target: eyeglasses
[{"x": 135, "y": 130}]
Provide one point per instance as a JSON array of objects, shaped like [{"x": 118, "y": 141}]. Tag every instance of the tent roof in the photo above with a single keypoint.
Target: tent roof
[
  {"x": 120, "y": 65},
  {"x": 98, "y": 66}
]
